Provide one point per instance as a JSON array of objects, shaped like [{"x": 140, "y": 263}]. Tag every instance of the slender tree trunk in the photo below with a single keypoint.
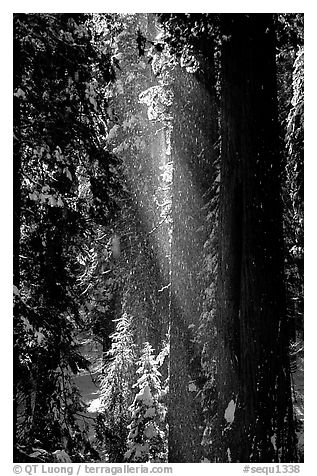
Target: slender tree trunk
[{"x": 255, "y": 421}]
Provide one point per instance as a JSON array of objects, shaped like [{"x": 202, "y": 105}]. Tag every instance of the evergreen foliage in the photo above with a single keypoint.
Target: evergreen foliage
[
  {"x": 146, "y": 438},
  {"x": 57, "y": 152},
  {"x": 116, "y": 391}
]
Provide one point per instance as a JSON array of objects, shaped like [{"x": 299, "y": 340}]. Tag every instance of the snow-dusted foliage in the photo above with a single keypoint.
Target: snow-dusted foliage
[
  {"x": 122, "y": 356},
  {"x": 147, "y": 428},
  {"x": 117, "y": 391}
]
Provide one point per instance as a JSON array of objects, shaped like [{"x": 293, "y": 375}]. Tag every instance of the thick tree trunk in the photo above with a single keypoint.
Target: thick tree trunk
[
  {"x": 255, "y": 421},
  {"x": 147, "y": 260}
]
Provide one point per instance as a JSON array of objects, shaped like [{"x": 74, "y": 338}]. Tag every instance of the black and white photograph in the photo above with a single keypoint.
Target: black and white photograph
[{"x": 158, "y": 240}]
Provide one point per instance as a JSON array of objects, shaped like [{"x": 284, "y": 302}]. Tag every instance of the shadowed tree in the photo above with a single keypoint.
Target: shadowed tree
[{"x": 254, "y": 413}]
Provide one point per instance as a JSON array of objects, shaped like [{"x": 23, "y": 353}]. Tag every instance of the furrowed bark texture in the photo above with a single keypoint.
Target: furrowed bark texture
[{"x": 253, "y": 366}]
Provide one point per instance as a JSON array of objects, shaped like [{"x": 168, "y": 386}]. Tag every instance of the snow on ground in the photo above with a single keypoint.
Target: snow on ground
[{"x": 88, "y": 383}]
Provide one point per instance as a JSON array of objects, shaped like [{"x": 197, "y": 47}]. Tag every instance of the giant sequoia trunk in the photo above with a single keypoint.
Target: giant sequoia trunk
[
  {"x": 255, "y": 420},
  {"x": 193, "y": 137}
]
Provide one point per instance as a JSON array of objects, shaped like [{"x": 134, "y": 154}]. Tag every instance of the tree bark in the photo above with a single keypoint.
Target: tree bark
[{"x": 252, "y": 354}]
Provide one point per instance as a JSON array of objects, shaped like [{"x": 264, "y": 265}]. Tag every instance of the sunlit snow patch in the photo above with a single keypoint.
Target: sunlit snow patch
[
  {"x": 150, "y": 413},
  {"x": 150, "y": 431},
  {"x": 40, "y": 337},
  {"x": 145, "y": 396},
  {"x": 95, "y": 406},
  {"x": 192, "y": 387},
  {"x": 16, "y": 292},
  {"x": 60, "y": 456},
  {"x": 273, "y": 441},
  {"x": 229, "y": 411}
]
